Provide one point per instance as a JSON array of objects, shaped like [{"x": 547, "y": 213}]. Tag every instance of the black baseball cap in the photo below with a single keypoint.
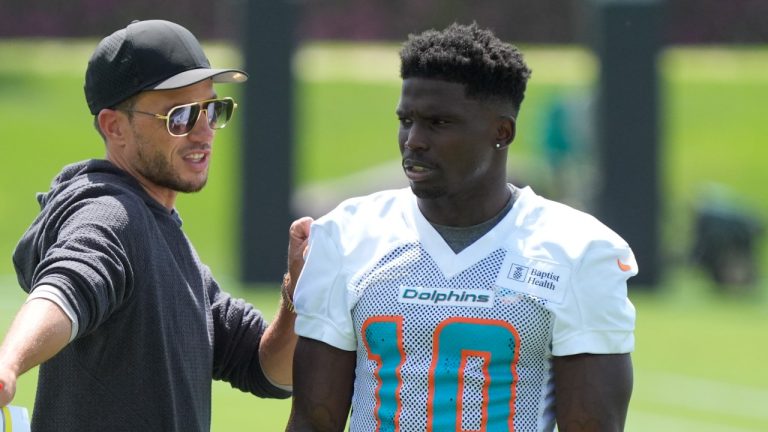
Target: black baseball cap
[{"x": 148, "y": 55}]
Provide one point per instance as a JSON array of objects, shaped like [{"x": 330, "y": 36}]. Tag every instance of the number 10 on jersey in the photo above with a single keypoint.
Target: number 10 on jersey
[{"x": 474, "y": 362}]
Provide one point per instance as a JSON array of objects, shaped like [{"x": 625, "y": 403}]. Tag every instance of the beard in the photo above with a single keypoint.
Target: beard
[{"x": 157, "y": 168}]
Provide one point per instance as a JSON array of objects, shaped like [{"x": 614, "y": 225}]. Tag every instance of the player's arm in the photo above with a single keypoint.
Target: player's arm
[
  {"x": 39, "y": 331},
  {"x": 592, "y": 391},
  {"x": 323, "y": 378}
]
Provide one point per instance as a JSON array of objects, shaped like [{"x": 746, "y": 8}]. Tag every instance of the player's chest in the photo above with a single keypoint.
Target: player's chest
[{"x": 412, "y": 303}]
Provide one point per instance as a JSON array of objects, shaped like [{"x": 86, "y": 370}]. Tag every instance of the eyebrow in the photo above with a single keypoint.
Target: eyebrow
[
  {"x": 437, "y": 112},
  {"x": 175, "y": 104}
]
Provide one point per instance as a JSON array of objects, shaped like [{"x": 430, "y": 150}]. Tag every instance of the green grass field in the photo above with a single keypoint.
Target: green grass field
[{"x": 700, "y": 361}]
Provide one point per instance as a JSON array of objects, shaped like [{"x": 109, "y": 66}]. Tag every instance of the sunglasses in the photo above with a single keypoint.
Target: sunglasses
[{"x": 181, "y": 119}]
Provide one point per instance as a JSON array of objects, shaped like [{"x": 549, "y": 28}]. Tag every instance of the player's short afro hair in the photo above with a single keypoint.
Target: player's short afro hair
[{"x": 489, "y": 68}]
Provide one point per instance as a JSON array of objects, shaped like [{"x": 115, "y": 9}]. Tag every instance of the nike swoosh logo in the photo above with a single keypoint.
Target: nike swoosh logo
[{"x": 622, "y": 266}]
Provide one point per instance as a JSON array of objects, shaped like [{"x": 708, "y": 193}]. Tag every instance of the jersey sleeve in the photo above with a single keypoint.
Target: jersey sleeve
[
  {"x": 597, "y": 316},
  {"x": 321, "y": 297}
]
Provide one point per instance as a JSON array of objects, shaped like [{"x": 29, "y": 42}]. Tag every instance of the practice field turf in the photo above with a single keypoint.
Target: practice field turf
[
  {"x": 699, "y": 364},
  {"x": 700, "y": 361}
]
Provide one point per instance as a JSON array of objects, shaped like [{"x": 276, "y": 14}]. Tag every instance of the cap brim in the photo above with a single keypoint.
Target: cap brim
[{"x": 193, "y": 76}]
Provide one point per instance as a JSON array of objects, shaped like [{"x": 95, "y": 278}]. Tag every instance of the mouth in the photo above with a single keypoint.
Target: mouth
[
  {"x": 417, "y": 170},
  {"x": 197, "y": 159}
]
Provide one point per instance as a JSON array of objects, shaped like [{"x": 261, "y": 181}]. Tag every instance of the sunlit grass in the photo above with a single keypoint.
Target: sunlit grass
[{"x": 693, "y": 342}]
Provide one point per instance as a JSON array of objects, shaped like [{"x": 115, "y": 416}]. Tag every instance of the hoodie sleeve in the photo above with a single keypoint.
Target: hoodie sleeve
[
  {"x": 238, "y": 329},
  {"x": 82, "y": 251}
]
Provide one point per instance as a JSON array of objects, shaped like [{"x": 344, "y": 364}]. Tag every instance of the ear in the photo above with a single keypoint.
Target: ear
[
  {"x": 114, "y": 126},
  {"x": 505, "y": 130}
]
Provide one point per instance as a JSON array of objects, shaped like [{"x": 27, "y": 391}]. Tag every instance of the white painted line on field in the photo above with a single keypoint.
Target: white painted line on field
[
  {"x": 708, "y": 65},
  {"x": 561, "y": 65},
  {"x": 370, "y": 63},
  {"x": 380, "y": 63}
]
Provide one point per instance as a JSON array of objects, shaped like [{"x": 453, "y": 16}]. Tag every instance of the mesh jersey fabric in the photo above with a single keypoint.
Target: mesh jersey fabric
[{"x": 448, "y": 341}]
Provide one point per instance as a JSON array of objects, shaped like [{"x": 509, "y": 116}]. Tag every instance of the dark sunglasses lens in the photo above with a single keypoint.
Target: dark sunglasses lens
[
  {"x": 219, "y": 113},
  {"x": 182, "y": 119}
]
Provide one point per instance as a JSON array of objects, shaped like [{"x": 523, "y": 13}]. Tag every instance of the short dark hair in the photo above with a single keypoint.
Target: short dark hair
[{"x": 489, "y": 68}]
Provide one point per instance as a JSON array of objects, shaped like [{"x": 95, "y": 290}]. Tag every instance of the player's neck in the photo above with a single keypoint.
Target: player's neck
[{"x": 460, "y": 211}]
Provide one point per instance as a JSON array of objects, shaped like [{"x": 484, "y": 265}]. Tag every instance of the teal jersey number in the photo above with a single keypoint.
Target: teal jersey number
[
  {"x": 492, "y": 344},
  {"x": 384, "y": 342}
]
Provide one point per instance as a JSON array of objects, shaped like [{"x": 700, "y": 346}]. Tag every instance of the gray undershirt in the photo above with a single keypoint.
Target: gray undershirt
[{"x": 458, "y": 238}]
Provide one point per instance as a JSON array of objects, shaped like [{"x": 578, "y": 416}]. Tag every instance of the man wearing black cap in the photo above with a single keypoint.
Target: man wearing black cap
[{"x": 126, "y": 323}]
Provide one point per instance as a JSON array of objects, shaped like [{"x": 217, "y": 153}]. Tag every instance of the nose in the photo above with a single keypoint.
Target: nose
[
  {"x": 202, "y": 131},
  {"x": 413, "y": 138}
]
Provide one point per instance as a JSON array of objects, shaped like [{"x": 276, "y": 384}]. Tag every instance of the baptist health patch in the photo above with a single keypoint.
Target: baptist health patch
[
  {"x": 446, "y": 296},
  {"x": 538, "y": 278}
]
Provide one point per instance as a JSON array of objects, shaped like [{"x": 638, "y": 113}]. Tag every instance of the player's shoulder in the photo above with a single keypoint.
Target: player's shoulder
[
  {"x": 563, "y": 223},
  {"x": 371, "y": 219},
  {"x": 368, "y": 209}
]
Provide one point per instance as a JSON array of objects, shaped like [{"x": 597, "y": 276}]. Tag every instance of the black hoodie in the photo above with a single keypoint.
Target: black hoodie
[{"x": 154, "y": 327}]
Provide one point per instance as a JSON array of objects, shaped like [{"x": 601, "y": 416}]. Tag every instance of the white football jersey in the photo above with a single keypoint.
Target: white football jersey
[{"x": 453, "y": 342}]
